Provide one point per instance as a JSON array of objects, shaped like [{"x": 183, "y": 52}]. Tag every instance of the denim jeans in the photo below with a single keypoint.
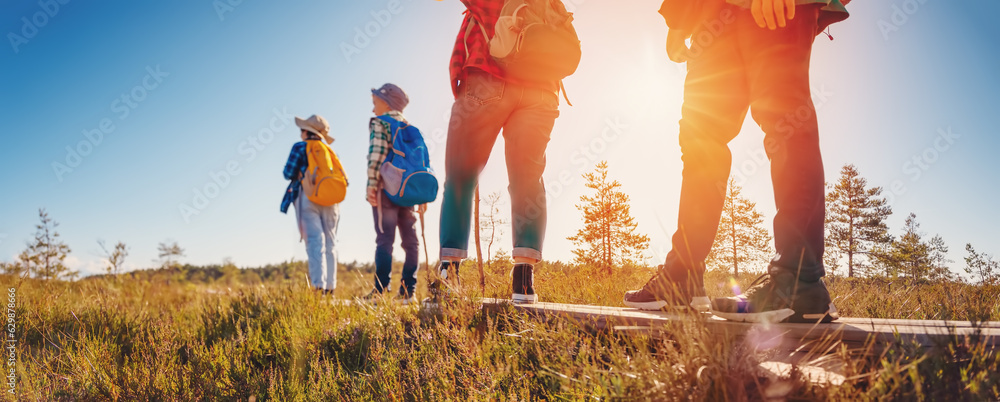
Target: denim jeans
[
  {"x": 735, "y": 66},
  {"x": 486, "y": 105},
  {"x": 393, "y": 217},
  {"x": 318, "y": 225}
]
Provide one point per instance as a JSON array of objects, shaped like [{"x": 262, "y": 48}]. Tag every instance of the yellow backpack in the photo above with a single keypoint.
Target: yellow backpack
[{"x": 325, "y": 182}]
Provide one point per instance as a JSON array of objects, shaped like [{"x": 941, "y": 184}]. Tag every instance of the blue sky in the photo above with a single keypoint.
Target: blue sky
[{"x": 185, "y": 89}]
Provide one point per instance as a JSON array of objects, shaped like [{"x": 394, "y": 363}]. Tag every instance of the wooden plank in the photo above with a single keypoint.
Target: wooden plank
[{"x": 857, "y": 333}]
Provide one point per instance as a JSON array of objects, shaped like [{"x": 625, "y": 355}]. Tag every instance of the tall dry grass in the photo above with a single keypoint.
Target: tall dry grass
[{"x": 138, "y": 338}]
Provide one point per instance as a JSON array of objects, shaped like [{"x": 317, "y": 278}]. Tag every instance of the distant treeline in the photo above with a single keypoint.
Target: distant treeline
[{"x": 228, "y": 273}]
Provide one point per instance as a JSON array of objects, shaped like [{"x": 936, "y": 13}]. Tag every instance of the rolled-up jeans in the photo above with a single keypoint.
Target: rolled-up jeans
[
  {"x": 486, "y": 105},
  {"x": 318, "y": 226}
]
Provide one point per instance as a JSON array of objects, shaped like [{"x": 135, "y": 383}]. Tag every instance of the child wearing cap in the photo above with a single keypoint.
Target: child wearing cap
[
  {"x": 317, "y": 223},
  {"x": 389, "y": 102}
]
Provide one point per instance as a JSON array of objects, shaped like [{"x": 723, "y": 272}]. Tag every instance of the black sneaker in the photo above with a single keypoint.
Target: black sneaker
[
  {"x": 524, "y": 284},
  {"x": 441, "y": 287},
  {"x": 667, "y": 291},
  {"x": 778, "y": 298},
  {"x": 448, "y": 272}
]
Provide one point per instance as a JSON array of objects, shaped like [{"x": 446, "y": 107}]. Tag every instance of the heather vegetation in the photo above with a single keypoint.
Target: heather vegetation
[{"x": 208, "y": 333}]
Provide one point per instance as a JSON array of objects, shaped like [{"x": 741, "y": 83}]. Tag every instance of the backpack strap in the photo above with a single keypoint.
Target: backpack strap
[
  {"x": 468, "y": 31},
  {"x": 562, "y": 88},
  {"x": 394, "y": 127}
]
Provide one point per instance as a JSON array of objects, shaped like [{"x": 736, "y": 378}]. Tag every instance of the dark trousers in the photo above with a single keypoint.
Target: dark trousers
[
  {"x": 393, "y": 217},
  {"x": 735, "y": 66},
  {"x": 486, "y": 105}
]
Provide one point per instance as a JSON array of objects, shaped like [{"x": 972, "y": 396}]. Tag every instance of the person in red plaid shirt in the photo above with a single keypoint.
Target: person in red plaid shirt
[{"x": 485, "y": 102}]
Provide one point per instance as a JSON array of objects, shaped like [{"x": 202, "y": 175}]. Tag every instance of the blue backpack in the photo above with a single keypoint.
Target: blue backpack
[{"x": 407, "y": 176}]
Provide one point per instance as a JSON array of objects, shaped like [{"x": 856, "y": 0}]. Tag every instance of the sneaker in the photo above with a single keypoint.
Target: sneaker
[
  {"x": 778, "y": 298},
  {"x": 372, "y": 297},
  {"x": 448, "y": 272},
  {"x": 404, "y": 297},
  {"x": 524, "y": 284},
  {"x": 440, "y": 288},
  {"x": 669, "y": 291}
]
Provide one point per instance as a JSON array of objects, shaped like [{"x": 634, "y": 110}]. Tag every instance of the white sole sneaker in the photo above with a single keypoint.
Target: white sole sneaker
[
  {"x": 700, "y": 304},
  {"x": 524, "y": 299},
  {"x": 773, "y": 316}
]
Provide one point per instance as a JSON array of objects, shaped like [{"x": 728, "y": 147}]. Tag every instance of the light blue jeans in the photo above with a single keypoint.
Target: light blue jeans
[{"x": 318, "y": 226}]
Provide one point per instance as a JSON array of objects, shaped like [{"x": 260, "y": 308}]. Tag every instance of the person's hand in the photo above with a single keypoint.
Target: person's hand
[
  {"x": 677, "y": 48},
  {"x": 421, "y": 208},
  {"x": 772, "y": 13},
  {"x": 371, "y": 196}
]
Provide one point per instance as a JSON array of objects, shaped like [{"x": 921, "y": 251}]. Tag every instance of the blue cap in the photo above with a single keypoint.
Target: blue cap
[{"x": 393, "y": 95}]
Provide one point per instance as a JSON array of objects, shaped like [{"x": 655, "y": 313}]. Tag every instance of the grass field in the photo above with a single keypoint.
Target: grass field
[{"x": 262, "y": 335}]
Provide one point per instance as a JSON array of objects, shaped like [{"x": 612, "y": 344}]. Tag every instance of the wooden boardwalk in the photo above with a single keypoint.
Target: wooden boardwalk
[{"x": 857, "y": 333}]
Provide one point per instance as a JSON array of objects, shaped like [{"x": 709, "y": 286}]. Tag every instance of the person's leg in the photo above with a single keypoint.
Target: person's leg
[
  {"x": 526, "y": 136},
  {"x": 407, "y": 222},
  {"x": 385, "y": 236},
  {"x": 781, "y": 103},
  {"x": 331, "y": 218},
  {"x": 715, "y": 104},
  {"x": 482, "y": 108},
  {"x": 313, "y": 225}
]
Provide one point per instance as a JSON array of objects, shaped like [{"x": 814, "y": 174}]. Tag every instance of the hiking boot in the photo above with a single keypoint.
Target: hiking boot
[
  {"x": 778, "y": 298},
  {"x": 669, "y": 291},
  {"x": 524, "y": 284}
]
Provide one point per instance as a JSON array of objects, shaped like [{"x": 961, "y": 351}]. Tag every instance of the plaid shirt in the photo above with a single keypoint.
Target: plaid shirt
[
  {"x": 486, "y": 12},
  {"x": 295, "y": 168},
  {"x": 379, "y": 146}
]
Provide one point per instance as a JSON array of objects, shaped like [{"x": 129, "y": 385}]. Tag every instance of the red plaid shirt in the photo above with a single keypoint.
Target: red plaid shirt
[{"x": 486, "y": 12}]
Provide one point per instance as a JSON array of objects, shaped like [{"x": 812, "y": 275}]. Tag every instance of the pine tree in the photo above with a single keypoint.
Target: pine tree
[
  {"x": 938, "y": 270},
  {"x": 981, "y": 265},
  {"x": 45, "y": 256},
  {"x": 116, "y": 257},
  {"x": 742, "y": 237},
  {"x": 11, "y": 268},
  {"x": 609, "y": 236},
  {"x": 169, "y": 253},
  {"x": 910, "y": 255},
  {"x": 855, "y": 219}
]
